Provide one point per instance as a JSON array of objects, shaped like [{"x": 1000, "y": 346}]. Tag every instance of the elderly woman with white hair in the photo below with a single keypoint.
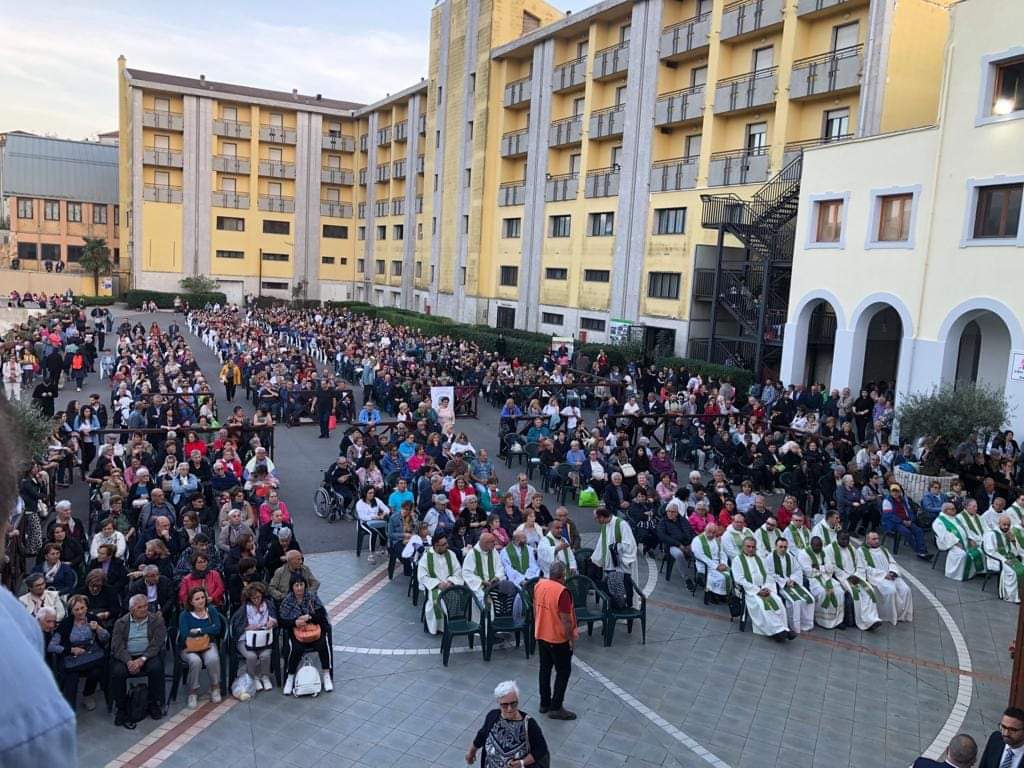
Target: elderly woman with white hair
[{"x": 509, "y": 738}]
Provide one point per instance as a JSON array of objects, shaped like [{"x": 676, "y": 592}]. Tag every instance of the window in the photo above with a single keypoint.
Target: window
[
  {"x": 574, "y": 164},
  {"x": 379, "y": 266},
  {"x": 336, "y": 231},
  {"x": 510, "y": 228},
  {"x": 361, "y": 233},
  {"x": 99, "y": 214},
  {"x": 274, "y": 154},
  {"x": 440, "y": 93},
  {"x": 530, "y": 22},
  {"x": 472, "y": 85},
  {"x": 998, "y": 211},
  {"x": 505, "y": 317},
  {"x": 398, "y": 232},
  {"x": 419, "y": 230},
  {"x": 1008, "y": 90},
  {"x": 28, "y": 251},
  {"x": 275, "y": 256},
  {"x": 433, "y": 225},
  {"x": 577, "y": 105},
  {"x": 276, "y": 119},
  {"x": 326, "y": 259},
  {"x": 465, "y": 223},
  {"x": 669, "y": 221},
  {"x": 602, "y": 224},
  {"x": 551, "y": 318},
  {"x": 624, "y": 31},
  {"x": 698, "y": 76},
  {"x": 162, "y": 141},
  {"x": 435, "y": 182},
  {"x": 51, "y": 252},
  {"x": 837, "y": 124},
  {"x": 616, "y": 157},
  {"x": 227, "y": 183},
  {"x": 271, "y": 227},
  {"x": 692, "y": 147},
  {"x": 230, "y": 254},
  {"x": 75, "y": 213},
  {"x": 117, "y": 215},
  {"x": 273, "y": 285},
  {"x": 231, "y": 223},
  {"x": 274, "y": 188},
  {"x": 162, "y": 104},
  {"x": 75, "y": 252},
  {"x": 596, "y": 275},
  {"x": 333, "y": 161},
  {"x": 25, "y": 208},
  {"x": 828, "y": 228},
  {"x": 663, "y": 285},
  {"x": 556, "y": 273},
  {"x": 757, "y": 138},
  {"x": 620, "y": 95},
  {"x": 51, "y": 210},
  {"x": 419, "y": 269},
  {"x": 845, "y": 36},
  {"x": 396, "y": 269},
  {"x": 561, "y": 226},
  {"x": 581, "y": 48},
  {"x": 763, "y": 58},
  {"x": 117, "y": 255},
  {"x": 469, "y": 176},
  {"x": 509, "y": 276},
  {"x": 591, "y": 324},
  {"x": 229, "y": 113},
  {"x": 894, "y": 217},
  {"x": 382, "y": 232},
  {"x": 360, "y": 266},
  {"x": 469, "y": 129}
]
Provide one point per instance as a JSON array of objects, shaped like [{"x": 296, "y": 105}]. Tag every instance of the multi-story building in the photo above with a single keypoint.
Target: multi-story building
[
  {"x": 908, "y": 263},
  {"x": 53, "y": 194}
]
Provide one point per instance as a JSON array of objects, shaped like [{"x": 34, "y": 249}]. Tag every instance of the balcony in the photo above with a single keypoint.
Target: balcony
[
  {"x": 383, "y": 174},
  {"x": 513, "y": 143},
  {"x": 222, "y": 199},
  {"x": 795, "y": 148},
  {"x": 380, "y": 208},
  {"x": 421, "y": 163},
  {"x": 276, "y": 203},
  {"x": 602, "y": 182},
  {"x": 512, "y": 193},
  {"x": 277, "y": 134},
  {"x": 397, "y": 206},
  {"x": 742, "y": 166},
  {"x": 749, "y": 16},
  {"x": 169, "y": 158},
  {"x": 610, "y": 61},
  {"x": 679, "y": 107},
  {"x": 517, "y": 93},
  {"x": 401, "y": 131},
  {"x": 564, "y": 187},
  {"x": 754, "y": 89},
  {"x": 232, "y": 129},
  {"x": 158, "y": 118},
  {"x": 607, "y": 123},
  {"x": 341, "y": 176},
  {"x": 828, "y": 74},
  {"x": 569, "y": 76},
  {"x": 161, "y": 193},
  {"x": 565, "y": 133},
  {"x": 826, "y": 7},
  {"x": 338, "y": 143},
  {"x": 398, "y": 169},
  {"x": 363, "y": 142},
  {"x": 384, "y": 136},
  {"x": 674, "y": 174},
  {"x": 362, "y": 177},
  {"x": 687, "y": 38},
  {"x": 336, "y": 209},
  {"x": 276, "y": 169}
]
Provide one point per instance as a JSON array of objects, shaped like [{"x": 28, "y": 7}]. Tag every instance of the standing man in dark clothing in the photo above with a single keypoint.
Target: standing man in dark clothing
[{"x": 324, "y": 403}]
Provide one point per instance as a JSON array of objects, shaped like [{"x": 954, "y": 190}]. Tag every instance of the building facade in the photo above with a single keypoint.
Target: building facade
[{"x": 908, "y": 265}]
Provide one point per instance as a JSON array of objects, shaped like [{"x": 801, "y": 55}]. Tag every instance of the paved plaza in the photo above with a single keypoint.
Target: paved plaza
[{"x": 699, "y": 693}]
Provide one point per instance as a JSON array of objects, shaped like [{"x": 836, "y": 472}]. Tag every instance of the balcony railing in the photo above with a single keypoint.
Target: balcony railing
[
  {"x": 674, "y": 174},
  {"x": 828, "y": 73},
  {"x": 383, "y": 173},
  {"x": 384, "y": 136},
  {"x": 512, "y": 193},
  {"x": 397, "y": 206},
  {"x": 222, "y": 199},
  {"x": 513, "y": 143},
  {"x": 566, "y": 132},
  {"x": 517, "y": 93},
  {"x": 754, "y": 89},
  {"x": 380, "y": 208},
  {"x": 743, "y": 166},
  {"x": 686, "y": 37},
  {"x": 421, "y": 163},
  {"x": 362, "y": 177},
  {"x": 401, "y": 131},
  {"x": 336, "y": 209},
  {"x": 341, "y": 176},
  {"x": 363, "y": 142},
  {"x": 679, "y": 107},
  {"x": 569, "y": 75},
  {"x": 169, "y": 158},
  {"x": 231, "y": 164},
  {"x": 398, "y": 169},
  {"x": 602, "y": 182},
  {"x": 748, "y": 16},
  {"x": 278, "y": 135},
  {"x": 338, "y": 143},
  {"x": 607, "y": 123},
  {"x": 161, "y": 193},
  {"x": 815, "y": 6},
  {"x": 610, "y": 61},
  {"x": 563, "y": 187},
  {"x": 232, "y": 129},
  {"x": 158, "y": 118},
  {"x": 795, "y": 148},
  {"x": 276, "y": 169},
  {"x": 276, "y": 203}
]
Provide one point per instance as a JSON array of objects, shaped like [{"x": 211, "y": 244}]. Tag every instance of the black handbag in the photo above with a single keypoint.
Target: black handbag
[{"x": 82, "y": 660}]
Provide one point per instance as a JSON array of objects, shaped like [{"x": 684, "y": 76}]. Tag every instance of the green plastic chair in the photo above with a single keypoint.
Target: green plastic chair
[
  {"x": 505, "y": 622},
  {"x": 628, "y": 615},
  {"x": 457, "y": 604},
  {"x": 587, "y": 611}
]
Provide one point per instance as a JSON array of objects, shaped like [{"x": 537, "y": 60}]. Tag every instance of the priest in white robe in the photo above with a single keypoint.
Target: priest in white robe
[
  {"x": 829, "y": 598},
  {"x": 1016, "y": 512},
  {"x": 895, "y": 602},
  {"x": 766, "y": 536},
  {"x": 764, "y": 606},
  {"x": 554, "y": 546},
  {"x": 519, "y": 560},
  {"x": 438, "y": 570},
  {"x": 991, "y": 517},
  {"x": 964, "y": 558},
  {"x": 1004, "y": 546},
  {"x": 797, "y": 533},
  {"x": 789, "y": 581},
  {"x": 971, "y": 520},
  {"x": 734, "y": 535},
  {"x": 828, "y": 528},
  {"x": 707, "y": 549},
  {"x": 614, "y": 530},
  {"x": 482, "y": 567},
  {"x": 845, "y": 569}
]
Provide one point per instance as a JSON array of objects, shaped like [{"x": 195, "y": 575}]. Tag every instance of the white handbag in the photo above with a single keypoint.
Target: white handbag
[
  {"x": 258, "y": 639},
  {"x": 627, "y": 470}
]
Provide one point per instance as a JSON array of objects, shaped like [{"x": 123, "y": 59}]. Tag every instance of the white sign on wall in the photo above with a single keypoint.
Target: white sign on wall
[{"x": 1017, "y": 371}]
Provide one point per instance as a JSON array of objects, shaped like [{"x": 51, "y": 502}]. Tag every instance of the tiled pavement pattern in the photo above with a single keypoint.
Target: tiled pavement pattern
[{"x": 830, "y": 698}]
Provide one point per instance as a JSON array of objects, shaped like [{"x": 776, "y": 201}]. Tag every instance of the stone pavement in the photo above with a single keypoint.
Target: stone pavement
[{"x": 700, "y": 693}]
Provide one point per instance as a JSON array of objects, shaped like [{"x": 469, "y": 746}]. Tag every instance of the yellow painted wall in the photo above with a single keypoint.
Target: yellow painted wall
[
  {"x": 917, "y": 51},
  {"x": 161, "y": 237}
]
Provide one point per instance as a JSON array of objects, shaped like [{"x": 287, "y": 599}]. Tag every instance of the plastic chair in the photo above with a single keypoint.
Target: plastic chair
[
  {"x": 583, "y": 555},
  {"x": 505, "y": 622},
  {"x": 988, "y": 572},
  {"x": 628, "y": 615},
  {"x": 235, "y": 658},
  {"x": 181, "y": 669},
  {"x": 943, "y": 553},
  {"x": 108, "y": 691},
  {"x": 457, "y": 603},
  {"x": 514, "y": 439},
  {"x": 286, "y": 648},
  {"x": 581, "y": 588},
  {"x": 564, "y": 482},
  {"x": 532, "y": 451},
  {"x": 362, "y": 531}
]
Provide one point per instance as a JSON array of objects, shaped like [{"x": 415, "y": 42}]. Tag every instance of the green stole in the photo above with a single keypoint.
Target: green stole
[
  {"x": 565, "y": 552},
  {"x": 854, "y": 588},
  {"x": 1003, "y": 547},
  {"x": 603, "y": 545},
  {"x": 826, "y": 535},
  {"x": 799, "y": 536},
  {"x": 519, "y": 558},
  {"x": 706, "y": 548},
  {"x": 480, "y": 564},
  {"x": 795, "y": 591},
  {"x": 768, "y": 600},
  {"x": 973, "y": 524},
  {"x": 826, "y": 583},
  {"x": 870, "y": 560},
  {"x": 973, "y": 553},
  {"x": 432, "y": 573},
  {"x": 765, "y": 540},
  {"x": 1016, "y": 510}
]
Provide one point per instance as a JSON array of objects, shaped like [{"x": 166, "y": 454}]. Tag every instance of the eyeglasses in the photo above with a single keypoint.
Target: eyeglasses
[{"x": 509, "y": 704}]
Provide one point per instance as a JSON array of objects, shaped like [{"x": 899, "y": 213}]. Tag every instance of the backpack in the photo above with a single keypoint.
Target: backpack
[
  {"x": 619, "y": 586},
  {"x": 138, "y": 703},
  {"x": 307, "y": 681}
]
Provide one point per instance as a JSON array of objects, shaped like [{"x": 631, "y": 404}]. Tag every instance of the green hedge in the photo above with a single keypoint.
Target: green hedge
[
  {"x": 165, "y": 300},
  {"x": 741, "y": 378},
  {"x": 95, "y": 301}
]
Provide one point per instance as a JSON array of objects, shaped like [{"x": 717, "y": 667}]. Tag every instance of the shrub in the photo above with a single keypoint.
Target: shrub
[
  {"x": 955, "y": 413},
  {"x": 198, "y": 284},
  {"x": 165, "y": 300},
  {"x": 94, "y": 301},
  {"x": 740, "y": 378}
]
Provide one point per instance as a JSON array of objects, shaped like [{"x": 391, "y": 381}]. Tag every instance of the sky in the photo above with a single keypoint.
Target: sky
[{"x": 58, "y": 61}]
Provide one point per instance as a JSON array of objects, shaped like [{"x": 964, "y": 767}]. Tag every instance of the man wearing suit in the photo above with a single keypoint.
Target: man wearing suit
[
  {"x": 1005, "y": 748},
  {"x": 961, "y": 753}
]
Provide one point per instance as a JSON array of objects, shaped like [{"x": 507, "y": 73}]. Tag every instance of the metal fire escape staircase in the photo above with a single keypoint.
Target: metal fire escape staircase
[{"x": 751, "y": 293}]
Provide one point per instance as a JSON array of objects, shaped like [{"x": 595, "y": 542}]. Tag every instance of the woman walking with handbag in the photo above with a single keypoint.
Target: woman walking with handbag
[
  {"x": 253, "y": 624},
  {"x": 509, "y": 738},
  {"x": 78, "y": 643},
  {"x": 199, "y": 629},
  {"x": 304, "y": 616}
]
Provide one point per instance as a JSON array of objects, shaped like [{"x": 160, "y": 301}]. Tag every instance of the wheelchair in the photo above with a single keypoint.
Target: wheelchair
[{"x": 328, "y": 504}]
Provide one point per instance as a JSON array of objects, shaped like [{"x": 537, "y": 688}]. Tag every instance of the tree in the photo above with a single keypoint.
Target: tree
[
  {"x": 198, "y": 284},
  {"x": 31, "y": 429},
  {"x": 96, "y": 260}
]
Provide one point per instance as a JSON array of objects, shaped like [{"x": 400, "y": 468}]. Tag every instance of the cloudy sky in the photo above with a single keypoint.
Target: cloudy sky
[{"x": 58, "y": 61}]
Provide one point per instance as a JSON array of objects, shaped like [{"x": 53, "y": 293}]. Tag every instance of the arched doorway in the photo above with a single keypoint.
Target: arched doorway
[
  {"x": 809, "y": 341},
  {"x": 982, "y": 350},
  {"x": 882, "y": 342},
  {"x": 821, "y": 344}
]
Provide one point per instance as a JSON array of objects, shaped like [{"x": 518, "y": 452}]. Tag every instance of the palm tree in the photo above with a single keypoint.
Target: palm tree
[{"x": 96, "y": 260}]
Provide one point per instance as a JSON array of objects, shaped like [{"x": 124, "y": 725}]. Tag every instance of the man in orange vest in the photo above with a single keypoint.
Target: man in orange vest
[{"x": 556, "y": 632}]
